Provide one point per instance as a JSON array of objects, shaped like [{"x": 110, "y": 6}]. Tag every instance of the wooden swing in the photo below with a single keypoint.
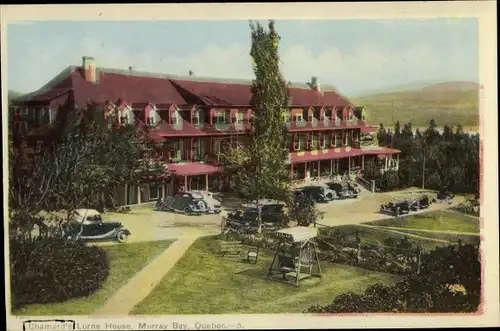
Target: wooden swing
[{"x": 296, "y": 256}]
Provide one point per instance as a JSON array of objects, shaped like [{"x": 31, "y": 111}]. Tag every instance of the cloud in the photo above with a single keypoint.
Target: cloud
[{"x": 364, "y": 67}]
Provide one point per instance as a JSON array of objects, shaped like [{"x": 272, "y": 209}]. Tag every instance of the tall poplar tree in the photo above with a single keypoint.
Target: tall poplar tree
[{"x": 260, "y": 167}]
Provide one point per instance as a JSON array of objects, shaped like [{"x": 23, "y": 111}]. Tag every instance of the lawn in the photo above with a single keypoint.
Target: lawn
[
  {"x": 125, "y": 261},
  {"x": 202, "y": 283},
  {"x": 437, "y": 221}
]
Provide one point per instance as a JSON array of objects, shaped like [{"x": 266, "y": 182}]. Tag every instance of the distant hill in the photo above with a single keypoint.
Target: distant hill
[{"x": 449, "y": 103}]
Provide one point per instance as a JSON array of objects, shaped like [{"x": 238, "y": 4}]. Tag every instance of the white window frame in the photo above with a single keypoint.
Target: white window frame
[
  {"x": 338, "y": 137},
  {"x": 220, "y": 115},
  {"x": 346, "y": 139},
  {"x": 238, "y": 118},
  {"x": 351, "y": 116},
  {"x": 196, "y": 115},
  {"x": 297, "y": 116},
  {"x": 151, "y": 120},
  {"x": 175, "y": 118}
]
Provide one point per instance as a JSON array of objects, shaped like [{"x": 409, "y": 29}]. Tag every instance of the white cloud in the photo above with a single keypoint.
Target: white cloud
[{"x": 365, "y": 67}]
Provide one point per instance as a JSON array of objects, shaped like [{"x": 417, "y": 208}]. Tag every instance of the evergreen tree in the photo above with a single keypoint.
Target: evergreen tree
[{"x": 260, "y": 168}]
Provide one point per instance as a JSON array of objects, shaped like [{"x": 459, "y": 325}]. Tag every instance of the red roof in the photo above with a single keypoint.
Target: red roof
[
  {"x": 220, "y": 94},
  {"x": 380, "y": 150},
  {"x": 192, "y": 169},
  {"x": 298, "y": 157},
  {"x": 320, "y": 125},
  {"x": 184, "y": 129},
  {"x": 366, "y": 129}
]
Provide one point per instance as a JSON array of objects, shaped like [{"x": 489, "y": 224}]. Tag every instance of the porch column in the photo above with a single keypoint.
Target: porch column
[
  {"x": 291, "y": 171},
  {"x": 186, "y": 183},
  {"x": 305, "y": 170},
  {"x": 206, "y": 183},
  {"x": 164, "y": 188},
  {"x": 362, "y": 162},
  {"x": 126, "y": 194},
  {"x": 138, "y": 194},
  {"x": 397, "y": 162},
  {"x": 319, "y": 169},
  {"x": 337, "y": 165},
  {"x": 331, "y": 167},
  {"x": 386, "y": 160},
  {"x": 349, "y": 164}
]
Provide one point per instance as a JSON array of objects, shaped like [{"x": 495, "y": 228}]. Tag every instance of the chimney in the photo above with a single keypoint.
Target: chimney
[
  {"x": 89, "y": 69},
  {"x": 317, "y": 87}
]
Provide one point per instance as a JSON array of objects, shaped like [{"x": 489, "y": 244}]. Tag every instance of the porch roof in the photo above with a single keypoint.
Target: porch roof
[
  {"x": 192, "y": 169},
  {"x": 380, "y": 150},
  {"x": 299, "y": 157}
]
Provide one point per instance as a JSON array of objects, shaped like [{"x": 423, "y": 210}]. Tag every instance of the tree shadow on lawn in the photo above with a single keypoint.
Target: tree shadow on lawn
[{"x": 203, "y": 283}]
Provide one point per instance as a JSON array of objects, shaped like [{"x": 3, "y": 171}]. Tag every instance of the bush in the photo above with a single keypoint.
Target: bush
[
  {"x": 449, "y": 281},
  {"x": 54, "y": 270}
]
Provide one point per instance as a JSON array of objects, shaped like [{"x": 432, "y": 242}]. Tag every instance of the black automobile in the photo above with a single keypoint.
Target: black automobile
[
  {"x": 396, "y": 207},
  {"x": 422, "y": 202},
  {"x": 246, "y": 219},
  {"x": 344, "y": 190},
  {"x": 87, "y": 224},
  {"x": 191, "y": 202},
  {"x": 445, "y": 195},
  {"x": 318, "y": 193}
]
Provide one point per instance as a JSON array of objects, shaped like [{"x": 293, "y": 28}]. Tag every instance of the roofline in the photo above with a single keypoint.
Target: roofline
[{"x": 65, "y": 73}]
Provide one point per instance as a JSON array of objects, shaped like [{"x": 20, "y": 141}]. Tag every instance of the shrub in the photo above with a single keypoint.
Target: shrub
[
  {"x": 54, "y": 270},
  {"x": 449, "y": 281}
]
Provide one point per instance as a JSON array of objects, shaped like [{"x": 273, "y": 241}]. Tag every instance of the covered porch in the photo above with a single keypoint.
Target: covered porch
[
  {"x": 385, "y": 158},
  {"x": 191, "y": 176}
]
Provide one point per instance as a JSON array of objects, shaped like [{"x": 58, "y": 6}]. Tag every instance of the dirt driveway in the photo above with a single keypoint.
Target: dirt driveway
[{"x": 146, "y": 224}]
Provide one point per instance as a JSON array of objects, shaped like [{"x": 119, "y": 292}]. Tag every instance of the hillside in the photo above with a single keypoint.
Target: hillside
[
  {"x": 449, "y": 103},
  {"x": 13, "y": 95}
]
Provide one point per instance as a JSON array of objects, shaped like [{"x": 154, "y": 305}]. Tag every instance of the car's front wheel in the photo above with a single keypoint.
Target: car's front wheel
[{"x": 122, "y": 237}]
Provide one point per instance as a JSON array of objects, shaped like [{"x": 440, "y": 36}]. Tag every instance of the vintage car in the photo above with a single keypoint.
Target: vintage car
[
  {"x": 191, "y": 202},
  {"x": 418, "y": 203},
  {"x": 246, "y": 219},
  {"x": 344, "y": 190},
  {"x": 396, "y": 207},
  {"x": 319, "y": 193},
  {"x": 445, "y": 195},
  {"x": 92, "y": 228}
]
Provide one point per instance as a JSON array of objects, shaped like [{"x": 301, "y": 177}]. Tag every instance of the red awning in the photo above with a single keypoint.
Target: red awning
[
  {"x": 381, "y": 150},
  {"x": 298, "y": 157},
  {"x": 192, "y": 169},
  {"x": 367, "y": 129}
]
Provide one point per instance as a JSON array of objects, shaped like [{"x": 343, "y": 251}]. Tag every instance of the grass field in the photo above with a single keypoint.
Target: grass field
[
  {"x": 125, "y": 261},
  {"x": 419, "y": 107},
  {"x": 202, "y": 283},
  {"x": 437, "y": 220}
]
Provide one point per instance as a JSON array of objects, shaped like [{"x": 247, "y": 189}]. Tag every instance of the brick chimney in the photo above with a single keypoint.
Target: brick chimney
[{"x": 89, "y": 69}]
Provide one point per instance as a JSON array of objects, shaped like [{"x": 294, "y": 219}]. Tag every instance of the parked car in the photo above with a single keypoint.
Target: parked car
[
  {"x": 94, "y": 229},
  {"x": 422, "y": 202},
  {"x": 344, "y": 190},
  {"x": 319, "y": 193},
  {"x": 246, "y": 219},
  {"x": 396, "y": 207},
  {"x": 445, "y": 195},
  {"x": 191, "y": 202}
]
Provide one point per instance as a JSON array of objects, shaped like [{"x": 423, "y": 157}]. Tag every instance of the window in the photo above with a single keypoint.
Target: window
[
  {"x": 351, "y": 116},
  {"x": 238, "y": 118},
  {"x": 310, "y": 117},
  {"x": 154, "y": 192},
  {"x": 322, "y": 140},
  {"x": 298, "y": 118},
  {"x": 346, "y": 135},
  {"x": 338, "y": 139},
  {"x": 176, "y": 153},
  {"x": 124, "y": 119},
  {"x": 220, "y": 118},
  {"x": 21, "y": 111},
  {"x": 217, "y": 144},
  {"x": 21, "y": 127},
  {"x": 198, "y": 149},
  {"x": 196, "y": 118},
  {"x": 175, "y": 118},
  {"x": 302, "y": 142},
  {"x": 313, "y": 143},
  {"x": 287, "y": 117}
]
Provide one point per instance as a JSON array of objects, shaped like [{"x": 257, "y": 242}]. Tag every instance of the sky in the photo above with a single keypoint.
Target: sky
[{"x": 353, "y": 55}]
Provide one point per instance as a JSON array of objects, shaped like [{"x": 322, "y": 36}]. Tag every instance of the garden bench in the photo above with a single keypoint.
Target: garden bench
[{"x": 235, "y": 249}]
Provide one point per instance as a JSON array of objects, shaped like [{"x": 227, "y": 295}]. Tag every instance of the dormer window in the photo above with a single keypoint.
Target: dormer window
[
  {"x": 124, "y": 119},
  {"x": 311, "y": 117},
  {"x": 238, "y": 118},
  {"x": 286, "y": 117},
  {"x": 220, "y": 117},
  {"x": 351, "y": 116},
  {"x": 298, "y": 118},
  {"x": 196, "y": 118},
  {"x": 151, "y": 120},
  {"x": 175, "y": 118}
]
